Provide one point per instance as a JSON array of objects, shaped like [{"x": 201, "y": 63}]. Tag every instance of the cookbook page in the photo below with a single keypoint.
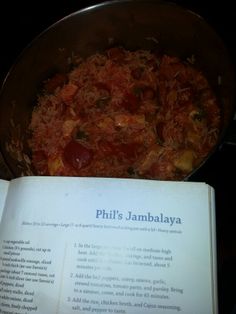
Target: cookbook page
[
  {"x": 3, "y": 193},
  {"x": 87, "y": 245}
]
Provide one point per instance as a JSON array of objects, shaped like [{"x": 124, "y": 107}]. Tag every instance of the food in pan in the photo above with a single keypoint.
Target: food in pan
[{"x": 124, "y": 114}]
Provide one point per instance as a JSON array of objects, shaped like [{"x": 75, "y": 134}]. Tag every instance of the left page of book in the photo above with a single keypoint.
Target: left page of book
[
  {"x": 3, "y": 193},
  {"x": 83, "y": 245}
]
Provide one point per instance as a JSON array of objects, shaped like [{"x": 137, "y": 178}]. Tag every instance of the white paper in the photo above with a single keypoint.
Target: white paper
[
  {"x": 82, "y": 245},
  {"x": 3, "y": 193}
]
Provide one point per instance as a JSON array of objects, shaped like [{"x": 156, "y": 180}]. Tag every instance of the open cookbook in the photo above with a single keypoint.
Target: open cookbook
[{"x": 101, "y": 245}]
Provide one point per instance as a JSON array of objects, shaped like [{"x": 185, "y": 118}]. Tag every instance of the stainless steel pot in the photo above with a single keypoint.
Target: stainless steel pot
[{"x": 133, "y": 24}]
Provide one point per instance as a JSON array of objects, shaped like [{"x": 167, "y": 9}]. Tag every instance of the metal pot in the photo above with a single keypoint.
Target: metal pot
[{"x": 133, "y": 24}]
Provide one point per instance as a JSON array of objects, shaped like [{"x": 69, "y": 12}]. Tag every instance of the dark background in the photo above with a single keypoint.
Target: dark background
[{"x": 21, "y": 21}]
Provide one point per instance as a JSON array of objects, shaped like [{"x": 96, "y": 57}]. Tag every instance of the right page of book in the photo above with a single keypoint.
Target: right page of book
[{"x": 93, "y": 245}]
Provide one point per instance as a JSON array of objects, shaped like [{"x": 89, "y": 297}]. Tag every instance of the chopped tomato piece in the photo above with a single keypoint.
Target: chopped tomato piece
[
  {"x": 77, "y": 155},
  {"x": 130, "y": 102},
  {"x": 68, "y": 92},
  {"x": 129, "y": 150}
]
